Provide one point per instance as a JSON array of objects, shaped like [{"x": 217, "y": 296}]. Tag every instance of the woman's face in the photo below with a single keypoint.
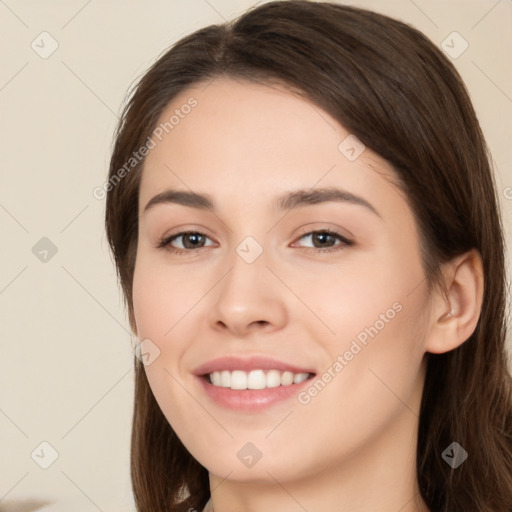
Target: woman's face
[{"x": 261, "y": 295}]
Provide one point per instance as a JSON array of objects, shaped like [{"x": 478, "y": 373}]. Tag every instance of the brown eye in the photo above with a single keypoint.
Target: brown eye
[
  {"x": 326, "y": 239},
  {"x": 189, "y": 240}
]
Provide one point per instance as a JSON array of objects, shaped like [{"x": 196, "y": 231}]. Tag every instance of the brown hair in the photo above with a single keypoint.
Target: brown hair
[{"x": 389, "y": 85}]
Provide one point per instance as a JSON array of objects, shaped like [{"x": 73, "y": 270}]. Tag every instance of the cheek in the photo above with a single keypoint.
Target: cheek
[
  {"x": 162, "y": 302},
  {"x": 161, "y": 297},
  {"x": 366, "y": 387},
  {"x": 374, "y": 358},
  {"x": 166, "y": 305},
  {"x": 364, "y": 301},
  {"x": 160, "y": 305}
]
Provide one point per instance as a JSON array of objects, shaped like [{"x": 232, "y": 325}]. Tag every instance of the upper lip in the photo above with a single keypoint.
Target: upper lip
[{"x": 247, "y": 364}]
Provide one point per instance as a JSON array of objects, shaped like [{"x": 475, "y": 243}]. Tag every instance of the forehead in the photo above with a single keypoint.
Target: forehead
[
  {"x": 251, "y": 115},
  {"x": 242, "y": 134}
]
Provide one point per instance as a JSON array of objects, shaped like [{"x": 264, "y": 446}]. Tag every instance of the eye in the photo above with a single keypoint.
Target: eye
[
  {"x": 190, "y": 240},
  {"x": 325, "y": 240}
]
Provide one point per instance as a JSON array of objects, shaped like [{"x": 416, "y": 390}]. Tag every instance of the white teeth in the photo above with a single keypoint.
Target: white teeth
[
  {"x": 238, "y": 380},
  {"x": 286, "y": 379},
  {"x": 273, "y": 379},
  {"x": 215, "y": 378},
  {"x": 256, "y": 379},
  {"x": 299, "y": 377},
  {"x": 225, "y": 379}
]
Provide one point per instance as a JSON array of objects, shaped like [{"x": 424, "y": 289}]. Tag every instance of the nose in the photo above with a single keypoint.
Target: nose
[{"x": 249, "y": 299}]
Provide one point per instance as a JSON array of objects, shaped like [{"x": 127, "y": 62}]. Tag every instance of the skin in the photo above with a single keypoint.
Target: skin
[{"x": 353, "y": 446}]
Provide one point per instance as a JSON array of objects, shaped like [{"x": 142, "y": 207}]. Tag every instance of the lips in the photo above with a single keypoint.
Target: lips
[{"x": 255, "y": 382}]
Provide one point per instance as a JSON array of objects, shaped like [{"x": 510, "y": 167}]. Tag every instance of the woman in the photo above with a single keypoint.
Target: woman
[{"x": 305, "y": 226}]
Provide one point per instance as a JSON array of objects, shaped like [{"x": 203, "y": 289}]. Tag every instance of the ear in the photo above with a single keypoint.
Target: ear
[{"x": 456, "y": 311}]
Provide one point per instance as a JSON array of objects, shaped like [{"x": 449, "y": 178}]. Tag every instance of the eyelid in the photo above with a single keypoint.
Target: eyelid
[
  {"x": 326, "y": 226},
  {"x": 183, "y": 230}
]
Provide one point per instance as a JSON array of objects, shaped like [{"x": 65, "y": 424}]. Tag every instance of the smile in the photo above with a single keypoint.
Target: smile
[
  {"x": 255, "y": 379},
  {"x": 251, "y": 383}
]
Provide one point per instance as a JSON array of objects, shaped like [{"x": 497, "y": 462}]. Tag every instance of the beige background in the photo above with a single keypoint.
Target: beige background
[{"x": 66, "y": 360}]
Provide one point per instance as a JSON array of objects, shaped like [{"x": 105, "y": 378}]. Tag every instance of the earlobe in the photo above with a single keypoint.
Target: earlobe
[{"x": 455, "y": 313}]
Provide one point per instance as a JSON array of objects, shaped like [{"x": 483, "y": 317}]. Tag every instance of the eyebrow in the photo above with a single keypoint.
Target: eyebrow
[{"x": 287, "y": 201}]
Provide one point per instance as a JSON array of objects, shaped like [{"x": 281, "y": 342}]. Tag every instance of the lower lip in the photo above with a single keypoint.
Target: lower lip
[{"x": 251, "y": 399}]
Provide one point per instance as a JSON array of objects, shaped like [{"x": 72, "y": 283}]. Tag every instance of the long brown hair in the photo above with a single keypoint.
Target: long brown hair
[{"x": 389, "y": 85}]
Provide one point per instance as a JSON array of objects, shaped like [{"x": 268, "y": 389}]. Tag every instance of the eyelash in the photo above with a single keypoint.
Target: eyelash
[{"x": 164, "y": 243}]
